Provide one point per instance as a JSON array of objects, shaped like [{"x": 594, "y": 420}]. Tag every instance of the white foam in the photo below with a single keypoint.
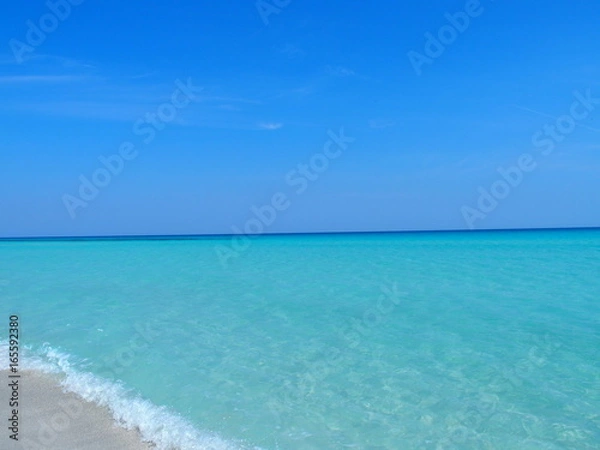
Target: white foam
[{"x": 156, "y": 424}]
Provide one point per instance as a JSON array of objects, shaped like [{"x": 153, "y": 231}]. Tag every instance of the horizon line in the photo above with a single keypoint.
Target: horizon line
[{"x": 310, "y": 233}]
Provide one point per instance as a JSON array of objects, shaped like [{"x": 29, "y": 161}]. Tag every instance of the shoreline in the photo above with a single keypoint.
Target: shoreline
[{"x": 51, "y": 419}]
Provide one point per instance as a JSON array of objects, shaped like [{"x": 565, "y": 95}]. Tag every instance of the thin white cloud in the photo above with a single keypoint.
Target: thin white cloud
[
  {"x": 292, "y": 51},
  {"x": 381, "y": 123},
  {"x": 228, "y": 107},
  {"x": 270, "y": 126},
  {"x": 47, "y": 61},
  {"x": 143, "y": 75},
  {"x": 68, "y": 63},
  {"x": 339, "y": 71},
  {"x": 123, "y": 100},
  {"x": 20, "y": 79},
  {"x": 113, "y": 111},
  {"x": 231, "y": 99}
]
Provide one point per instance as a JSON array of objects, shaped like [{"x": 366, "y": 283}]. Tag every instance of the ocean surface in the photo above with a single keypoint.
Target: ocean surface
[{"x": 456, "y": 340}]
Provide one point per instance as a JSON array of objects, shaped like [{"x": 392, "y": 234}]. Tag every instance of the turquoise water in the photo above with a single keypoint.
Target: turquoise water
[{"x": 478, "y": 340}]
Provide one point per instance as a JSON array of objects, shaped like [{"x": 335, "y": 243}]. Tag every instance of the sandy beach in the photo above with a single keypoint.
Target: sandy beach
[{"x": 51, "y": 419}]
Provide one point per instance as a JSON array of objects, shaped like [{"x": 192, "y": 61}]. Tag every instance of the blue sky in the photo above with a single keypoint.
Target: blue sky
[{"x": 271, "y": 85}]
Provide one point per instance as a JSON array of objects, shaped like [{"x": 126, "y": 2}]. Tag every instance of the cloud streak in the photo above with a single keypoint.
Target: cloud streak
[
  {"x": 339, "y": 71},
  {"x": 270, "y": 126},
  {"x": 22, "y": 79}
]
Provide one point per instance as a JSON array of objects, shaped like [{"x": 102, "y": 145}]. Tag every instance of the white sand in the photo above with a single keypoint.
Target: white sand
[{"x": 50, "y": 419}]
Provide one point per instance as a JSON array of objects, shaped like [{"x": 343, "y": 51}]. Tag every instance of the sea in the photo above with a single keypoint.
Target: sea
[{"x": 370, "y": 341}]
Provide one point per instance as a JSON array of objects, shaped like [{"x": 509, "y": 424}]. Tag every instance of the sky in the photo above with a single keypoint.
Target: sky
[{"x": 187, "y": 117}]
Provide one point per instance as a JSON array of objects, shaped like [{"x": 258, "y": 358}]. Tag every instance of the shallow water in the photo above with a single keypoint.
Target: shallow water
[{"x": 482, "y": 340}]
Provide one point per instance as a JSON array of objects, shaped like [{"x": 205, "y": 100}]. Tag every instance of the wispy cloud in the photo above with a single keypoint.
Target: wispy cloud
[
  {"x": 216, "y": 98},
  {"x": 19, "y": 79},
  {"x": 143, "y": 75},
  {"x": 381, "y": 123},
  {"x": 228, "y": 107},
  {"x": 339, "y": 71},
  {"x": 68, "y": 63},
  {"x": 270, "y": 125},
  {"x": 292, "y": 51},
  {"x": 44, "y": 60},
  {"x": 107, "y": 110},
  {"x": 123, "y": 99}
]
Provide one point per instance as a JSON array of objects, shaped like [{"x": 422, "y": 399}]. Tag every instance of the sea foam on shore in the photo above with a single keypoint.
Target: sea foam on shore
[{"x": 64, "y": 408}]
